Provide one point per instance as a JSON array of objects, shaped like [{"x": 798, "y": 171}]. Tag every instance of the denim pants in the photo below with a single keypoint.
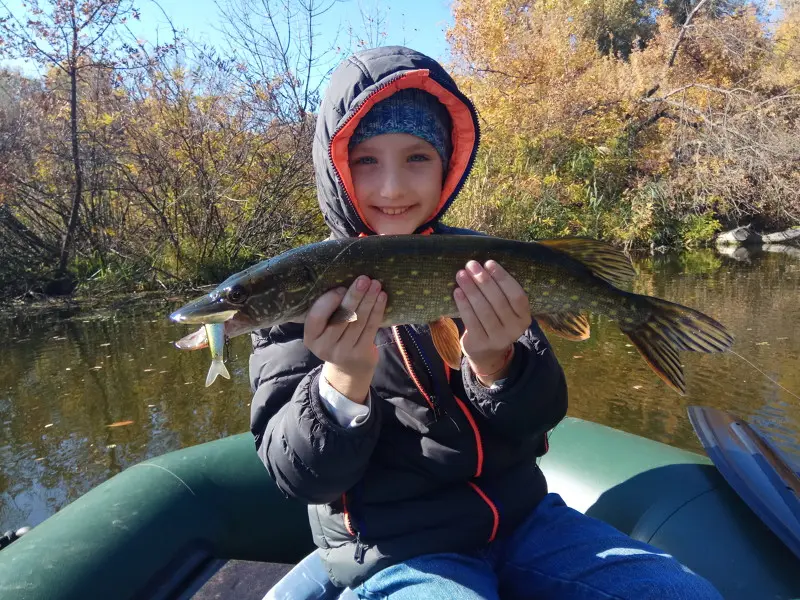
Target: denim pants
[{"x": 557, "y": 553}]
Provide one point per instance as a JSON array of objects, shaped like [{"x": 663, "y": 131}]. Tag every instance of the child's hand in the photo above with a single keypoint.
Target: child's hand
[
  {"x": 495, "y": 311},
  {"x": 348, "y": 349}
]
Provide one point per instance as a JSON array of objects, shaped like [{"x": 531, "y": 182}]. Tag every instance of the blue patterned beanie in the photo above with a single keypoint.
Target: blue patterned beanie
[{"x": 412, "y": 111}]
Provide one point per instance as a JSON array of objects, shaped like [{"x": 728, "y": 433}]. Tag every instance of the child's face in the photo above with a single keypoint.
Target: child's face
[{"x": 398, "y": 181}]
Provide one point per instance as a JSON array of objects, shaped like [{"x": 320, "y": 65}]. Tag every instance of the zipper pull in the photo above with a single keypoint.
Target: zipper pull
[
  {"x": 361, "y": 550},
  {"x": 437, "y": 410}
]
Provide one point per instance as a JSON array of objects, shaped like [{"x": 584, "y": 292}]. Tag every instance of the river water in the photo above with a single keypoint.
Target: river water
[{"x": 69, "y": 383}]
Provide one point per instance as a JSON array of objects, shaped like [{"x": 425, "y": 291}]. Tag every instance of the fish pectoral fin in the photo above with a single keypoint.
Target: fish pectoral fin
[
  {"x": 194, "y": 341},
  {"x": 602, "y": 259},
  {"x": 569, "y": 325},
  {"x": 343, "y": 315},
  {"x": 447, "y": 341},
  {"x": 216, "y": 369}
]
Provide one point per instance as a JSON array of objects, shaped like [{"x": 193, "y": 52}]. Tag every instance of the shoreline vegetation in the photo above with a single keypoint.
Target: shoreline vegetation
[{"x": 153, "y": 169}]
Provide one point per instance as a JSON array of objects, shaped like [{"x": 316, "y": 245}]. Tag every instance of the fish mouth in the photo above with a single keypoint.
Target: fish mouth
[{"x": 205, "y": 310}]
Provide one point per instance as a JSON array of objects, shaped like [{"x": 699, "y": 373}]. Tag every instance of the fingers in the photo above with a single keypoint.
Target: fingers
[
  {"x": 493, "y": 306},
  {"x": 374, "y": 321},
  {"x": 321, "y": 311},
  {"x": 485, "y": 312},
  {"x": 347, "y": 342},
  {"x": 492, "y": 291},
  {"x": 471, "y": 321},
  {"x": 515, "y": 294},
  {"x": 353, "y": 331}
]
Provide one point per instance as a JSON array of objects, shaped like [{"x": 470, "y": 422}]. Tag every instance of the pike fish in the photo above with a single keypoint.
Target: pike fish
[{"x": 565, "y": 279}]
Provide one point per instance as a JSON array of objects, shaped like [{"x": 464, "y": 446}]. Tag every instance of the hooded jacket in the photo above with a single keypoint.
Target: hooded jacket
[{"x": 442, "y": 463}]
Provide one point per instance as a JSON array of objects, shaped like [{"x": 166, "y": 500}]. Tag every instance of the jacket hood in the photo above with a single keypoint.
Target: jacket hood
[{"x": 356, "y": 85}]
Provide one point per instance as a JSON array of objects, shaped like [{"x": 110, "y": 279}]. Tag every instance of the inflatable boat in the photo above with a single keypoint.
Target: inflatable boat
[{"x": 166, "y": 527}]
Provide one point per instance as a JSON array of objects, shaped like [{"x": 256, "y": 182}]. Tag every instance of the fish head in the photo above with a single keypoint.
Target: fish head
[{"x": 269, "y": 293}]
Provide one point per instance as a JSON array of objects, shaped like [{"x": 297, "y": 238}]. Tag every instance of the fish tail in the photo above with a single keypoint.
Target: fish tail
[
  {"x": 216, "y": 369},
  {"x": 671, "y": 328}
]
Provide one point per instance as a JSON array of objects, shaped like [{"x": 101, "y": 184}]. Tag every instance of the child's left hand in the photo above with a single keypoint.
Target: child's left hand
[{"x": 495, "y": 310}]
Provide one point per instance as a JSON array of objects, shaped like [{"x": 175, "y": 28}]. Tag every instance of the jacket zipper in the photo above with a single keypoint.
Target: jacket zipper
[
  {"x": 479, "y": 465},
  {"x": 361, "y": 547},
  {"x": 412, "y": 373},
  {"x": 467, "y": 415},
  {"x": 462, "y": 180},
  {"x": 437, "y": 408}
]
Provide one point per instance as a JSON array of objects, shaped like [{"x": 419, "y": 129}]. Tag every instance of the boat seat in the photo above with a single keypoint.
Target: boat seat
[{"x": 308, "y": 580}]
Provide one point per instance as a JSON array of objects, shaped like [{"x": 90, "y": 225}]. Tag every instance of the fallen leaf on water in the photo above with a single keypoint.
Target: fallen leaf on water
[
  {"x": 48, "y": 425},
  {"x": 149, "y": 370},
  {"x": 163, "y": 372},
  {"x": 98, "y": 367},
  {"x": 638, "y": 387},
  {"x": 111, "y": 446},
  {"x": 151, "y": 406},
  {"x": 629, "y": 345},
  {"x": 38, "y": 459},
  {"x": 188, "y": 383},
  {"x": 762, "y": 343},
  {"x": 106, "y": 344},
  {"x": 68, "y": 369},
  {"x": 120, "y": 424},
  {"x": 577, "y": 356}
]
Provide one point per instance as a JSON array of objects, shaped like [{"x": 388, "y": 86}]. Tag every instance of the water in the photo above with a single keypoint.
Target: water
[{"x": 66, "y": 378}]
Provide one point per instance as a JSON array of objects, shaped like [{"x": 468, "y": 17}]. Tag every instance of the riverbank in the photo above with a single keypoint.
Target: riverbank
[{"x": 39, "y": 305}]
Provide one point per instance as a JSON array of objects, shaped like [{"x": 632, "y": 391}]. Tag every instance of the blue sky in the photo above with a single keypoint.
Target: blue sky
[{"x": 419, "y": 24}]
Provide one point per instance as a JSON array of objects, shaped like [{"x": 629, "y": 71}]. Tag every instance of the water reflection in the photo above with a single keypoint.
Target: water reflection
[
  {"x": 65, "y": 379},
  {"x": 757, "y": 301}
]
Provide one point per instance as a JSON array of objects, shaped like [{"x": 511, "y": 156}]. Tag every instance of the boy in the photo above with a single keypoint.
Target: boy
[{"x": 422, "y": 482}]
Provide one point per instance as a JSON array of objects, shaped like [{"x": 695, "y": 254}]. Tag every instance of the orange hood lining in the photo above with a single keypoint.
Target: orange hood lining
[{"x": 463, "y": 134}]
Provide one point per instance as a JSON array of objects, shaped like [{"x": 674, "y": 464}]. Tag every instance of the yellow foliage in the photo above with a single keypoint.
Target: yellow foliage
[{"x": 595, "y": 119}]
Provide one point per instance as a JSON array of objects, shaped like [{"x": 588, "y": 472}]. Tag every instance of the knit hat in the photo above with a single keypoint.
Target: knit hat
[{"x": 412, "y": 111}]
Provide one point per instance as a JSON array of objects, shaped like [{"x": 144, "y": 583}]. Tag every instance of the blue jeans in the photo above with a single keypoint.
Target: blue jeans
[{"x": 556, "y": 553}]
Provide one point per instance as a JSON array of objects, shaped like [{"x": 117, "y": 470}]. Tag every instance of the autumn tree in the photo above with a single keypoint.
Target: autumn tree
[{"x": 76, "y": 40}]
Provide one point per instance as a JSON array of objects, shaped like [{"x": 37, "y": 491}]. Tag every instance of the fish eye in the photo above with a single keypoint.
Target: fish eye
[{"x": 236, "y": 295}]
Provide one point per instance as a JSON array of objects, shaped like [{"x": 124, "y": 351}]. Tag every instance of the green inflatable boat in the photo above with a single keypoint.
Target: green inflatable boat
[{"x": 166, "y": 527}]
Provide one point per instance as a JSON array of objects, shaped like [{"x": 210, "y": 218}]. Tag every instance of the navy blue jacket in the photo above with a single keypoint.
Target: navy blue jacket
[{"x": 445, "y": 466}]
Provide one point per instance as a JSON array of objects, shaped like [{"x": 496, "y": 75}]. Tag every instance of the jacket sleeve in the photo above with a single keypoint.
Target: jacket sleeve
[
  {"x": 307, "y": 453},
  {"x": 532, "y": 399}
]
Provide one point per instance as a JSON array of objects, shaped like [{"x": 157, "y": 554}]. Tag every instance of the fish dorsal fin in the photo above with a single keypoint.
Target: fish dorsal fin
[
  {"x": 571, "y": 326},
  {"x": 447, "y": 341},
  {"x": 600, "y": 258}
]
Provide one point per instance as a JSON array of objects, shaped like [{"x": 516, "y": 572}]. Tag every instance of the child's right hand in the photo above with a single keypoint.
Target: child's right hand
[{"x": 348, "y": 349}]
